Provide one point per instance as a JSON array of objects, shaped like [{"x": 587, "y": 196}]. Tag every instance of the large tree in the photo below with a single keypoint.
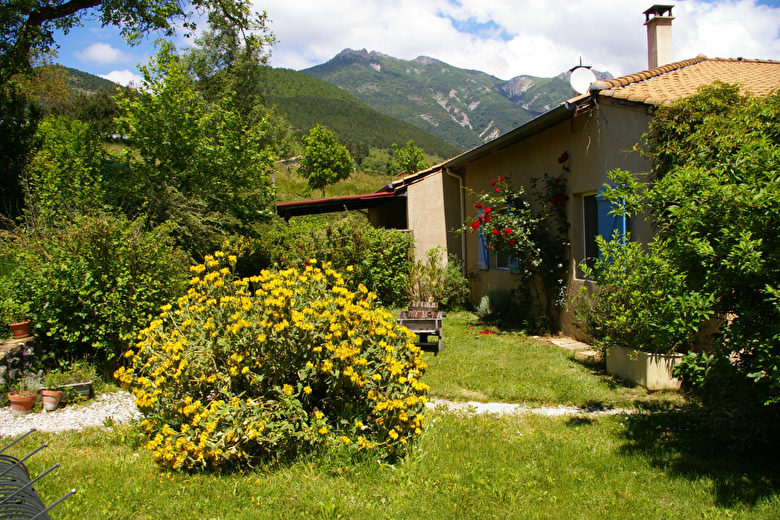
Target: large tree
[
  {"x": 713, "y": 197},
  {"x": 27, "y": 27}
]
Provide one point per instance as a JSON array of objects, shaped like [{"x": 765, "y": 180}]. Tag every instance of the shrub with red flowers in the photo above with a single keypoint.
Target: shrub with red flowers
[{"x": 537, "y": 242}]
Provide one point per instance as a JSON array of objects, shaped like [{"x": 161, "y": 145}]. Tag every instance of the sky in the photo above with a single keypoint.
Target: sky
[{"x": 505, "y": 38}]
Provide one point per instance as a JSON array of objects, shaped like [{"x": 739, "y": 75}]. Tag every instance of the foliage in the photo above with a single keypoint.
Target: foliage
[
  {"x": 325, "y": 161},
  {"x": 409, "y": 159},
  {"x": 28, "y": 27},
  {"x": 18, "y": 124},
  {"x": 713, "y": 200},
  {"x": 200, "y": 166},
  {"x": 273, "y": 365},
  {"x": 91, "y": 281},
  {"x": 29, "y": 384},
  {"x": 428, "y": 281},
  {"x": 64, "y": 175},
  {"x": 536, "y": 242},
  {"x": 640, "y": 300},
  {"x": 375, "y": 257}
]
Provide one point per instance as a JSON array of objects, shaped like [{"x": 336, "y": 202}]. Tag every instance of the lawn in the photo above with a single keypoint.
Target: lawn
[{"x": 667, "y": 458}]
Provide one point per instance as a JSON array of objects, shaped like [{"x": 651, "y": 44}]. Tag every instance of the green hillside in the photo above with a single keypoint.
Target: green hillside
[
  {"x": 466, "y": 108},
  {"x": 308, "y": 101}
]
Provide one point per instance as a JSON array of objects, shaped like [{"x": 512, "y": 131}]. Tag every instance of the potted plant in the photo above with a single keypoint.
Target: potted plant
[
  {"x": 16, "y": 316},
  {"x": 26, "y": 394},
  {"x": 51, "y": 398},
  {"x": 74, "y": 380},
  {"x": 425, "y": 284}
]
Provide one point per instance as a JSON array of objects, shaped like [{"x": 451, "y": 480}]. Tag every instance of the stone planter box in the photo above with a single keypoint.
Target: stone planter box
[{"x": 652, "y": 371}]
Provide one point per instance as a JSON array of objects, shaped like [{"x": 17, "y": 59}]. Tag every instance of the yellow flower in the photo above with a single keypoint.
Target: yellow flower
[
  {"x": 319, "y": 415},
  {"x": 323, "y": 430},
  {"x": 287, "y": 389},
  {"x": 307, "y": 390}
]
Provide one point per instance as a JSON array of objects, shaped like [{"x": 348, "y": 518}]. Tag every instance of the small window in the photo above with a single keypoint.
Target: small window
[
  {"x": 598, "y": 221},
  {"x": 500, "y": 260}
]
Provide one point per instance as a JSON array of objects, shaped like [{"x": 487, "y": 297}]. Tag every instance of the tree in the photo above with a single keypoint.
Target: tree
[
  {"x": 712, "y": 198},
  {"x": 27, "y": 26},
  {"x": 324, "y": 160},
  {"x": 200, "y": 164},
  {"x": 410, "y": 159}
]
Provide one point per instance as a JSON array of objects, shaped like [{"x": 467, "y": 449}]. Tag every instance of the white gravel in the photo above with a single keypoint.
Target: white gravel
[
  {"x": 119, "y": 406},
  {"x": 474, "y": 407}
]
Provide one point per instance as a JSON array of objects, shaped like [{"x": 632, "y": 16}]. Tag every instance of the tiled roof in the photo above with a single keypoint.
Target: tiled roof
[{"x": 668, "y": 83}]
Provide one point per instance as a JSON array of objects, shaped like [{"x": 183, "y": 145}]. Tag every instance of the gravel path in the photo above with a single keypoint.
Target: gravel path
[{"x": 121, "y": 408}]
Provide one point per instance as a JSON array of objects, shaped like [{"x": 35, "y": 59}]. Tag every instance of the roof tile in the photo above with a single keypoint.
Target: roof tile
[{"x": 663, "y": 85}]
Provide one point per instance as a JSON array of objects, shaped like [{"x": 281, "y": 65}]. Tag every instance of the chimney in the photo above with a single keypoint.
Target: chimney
[{"x": 658, "y": 20}]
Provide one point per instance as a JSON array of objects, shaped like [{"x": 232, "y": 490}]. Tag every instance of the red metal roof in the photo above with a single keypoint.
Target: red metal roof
[{"x": 332, "y": 205}]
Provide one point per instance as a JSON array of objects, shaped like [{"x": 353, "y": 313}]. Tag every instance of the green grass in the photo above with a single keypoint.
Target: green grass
[
  {"x": 661, "y": 461},
  {"x": 291, "y": 186},
  {"x": 511, "y": 367},
  {"x": 642, "y": 466}
]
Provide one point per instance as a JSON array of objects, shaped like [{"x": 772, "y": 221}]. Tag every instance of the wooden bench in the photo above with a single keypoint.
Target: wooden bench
[{"x": 424, "y": 324}]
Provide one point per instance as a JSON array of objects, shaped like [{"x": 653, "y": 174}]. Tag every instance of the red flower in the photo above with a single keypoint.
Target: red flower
[
  {"x": 508, "y": 231},
  {"x": 475, "y": 225},
  {"x": 565, "y": 198},
  {"x": 545, "y": 175},
  {"x": 511, "y": 242},
  {"x": 501, "y": 178},
  {"x": 494, "y": 182},
  {"x": 487, "y": 218},
  {"x": 558, "y": 181},
  {"x": 555, "y": 200},
  {"x": 498, "y": 190},
  {"x": 488, "y": 210},
  {"x": 478, "y": 205},
  {"x": 563, "y": 158},
  {"x": 495, "y": 231}
]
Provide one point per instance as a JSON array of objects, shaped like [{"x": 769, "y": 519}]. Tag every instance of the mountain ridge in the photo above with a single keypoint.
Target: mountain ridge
[{"x": 465, "y": 108}]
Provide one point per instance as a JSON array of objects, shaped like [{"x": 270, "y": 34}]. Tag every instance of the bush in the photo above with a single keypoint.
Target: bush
[
  {"x": 273, "y": 365},
  {"x": 380, "y": 258},
  {"x": 91, "y": 282},
  {"x": 641, "y": 300}
]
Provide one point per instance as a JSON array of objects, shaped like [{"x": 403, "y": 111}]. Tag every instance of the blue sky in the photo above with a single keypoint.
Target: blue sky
[{"x": 505, "y": 38}]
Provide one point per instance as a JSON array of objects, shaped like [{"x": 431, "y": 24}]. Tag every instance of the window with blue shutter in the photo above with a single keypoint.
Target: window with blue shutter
[
  {"x": 597, "y": 221},
  {"x": 483, "y": 260}
]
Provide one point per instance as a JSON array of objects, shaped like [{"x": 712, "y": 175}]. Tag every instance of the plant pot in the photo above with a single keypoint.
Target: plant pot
[
  {"x": 51, "y": 399},
  {"x": 83, "y": 388},
  {"x": 652, "y": 371},
  {"x": 22, "y": 404},
  {"x": 21, "y": 329}
]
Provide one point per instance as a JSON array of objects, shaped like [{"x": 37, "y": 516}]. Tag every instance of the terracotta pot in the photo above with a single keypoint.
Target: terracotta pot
[
  {"x": 51, "y": 399},
  {"x": 22, "y": 404},
  {"x": 20, "y": 329}
]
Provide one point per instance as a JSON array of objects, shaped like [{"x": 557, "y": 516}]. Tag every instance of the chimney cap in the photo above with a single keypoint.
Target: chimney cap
[{"x": 658, "y": 10}]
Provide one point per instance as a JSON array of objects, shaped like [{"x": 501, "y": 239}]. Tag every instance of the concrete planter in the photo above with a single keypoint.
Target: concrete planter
[{"x": 652, "y": 371}]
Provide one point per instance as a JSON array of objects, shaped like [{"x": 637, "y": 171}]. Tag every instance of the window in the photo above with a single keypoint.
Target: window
[
  {"x": 491, "y": 258},
  {"x": 597, "y": 221}
]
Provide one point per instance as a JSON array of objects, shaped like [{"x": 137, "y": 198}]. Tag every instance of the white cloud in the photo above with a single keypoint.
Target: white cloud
[
  {"x": 545, "y": 37},
  {"x": 103, "y": 54},
  {"x": 123, "y": 77}
]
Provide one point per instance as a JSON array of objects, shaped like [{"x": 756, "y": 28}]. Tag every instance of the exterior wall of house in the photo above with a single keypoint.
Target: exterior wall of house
[
  {"x": 597, "y": 142},
  {"x": 426, "y": 215}
]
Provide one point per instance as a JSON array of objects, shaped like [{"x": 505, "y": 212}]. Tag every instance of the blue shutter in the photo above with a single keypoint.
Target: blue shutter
[
  {"x": 483, "y": 255},
  {"x": 608, "y": 223}
]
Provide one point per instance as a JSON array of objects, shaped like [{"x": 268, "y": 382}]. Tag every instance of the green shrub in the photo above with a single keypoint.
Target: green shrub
[
  {"x": 380, "y": 258},
  {"x": 92, "y": 282},
  {"x": 428, "y": 281},
  {"x": 240, "y": 370},
  {"x": 641, "y": 300}
]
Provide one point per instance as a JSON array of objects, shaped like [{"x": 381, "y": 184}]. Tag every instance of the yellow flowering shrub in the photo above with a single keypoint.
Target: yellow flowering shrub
[{"x": 244, "y": 369}]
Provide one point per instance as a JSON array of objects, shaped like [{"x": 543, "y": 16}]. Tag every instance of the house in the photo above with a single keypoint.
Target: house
[{"x": 599, "y": 130}]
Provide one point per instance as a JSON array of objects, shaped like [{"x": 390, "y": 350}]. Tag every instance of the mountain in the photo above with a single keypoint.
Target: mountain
[
  {"x": 308, "y": 101},
  {"x": 465, "y": 108}
]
